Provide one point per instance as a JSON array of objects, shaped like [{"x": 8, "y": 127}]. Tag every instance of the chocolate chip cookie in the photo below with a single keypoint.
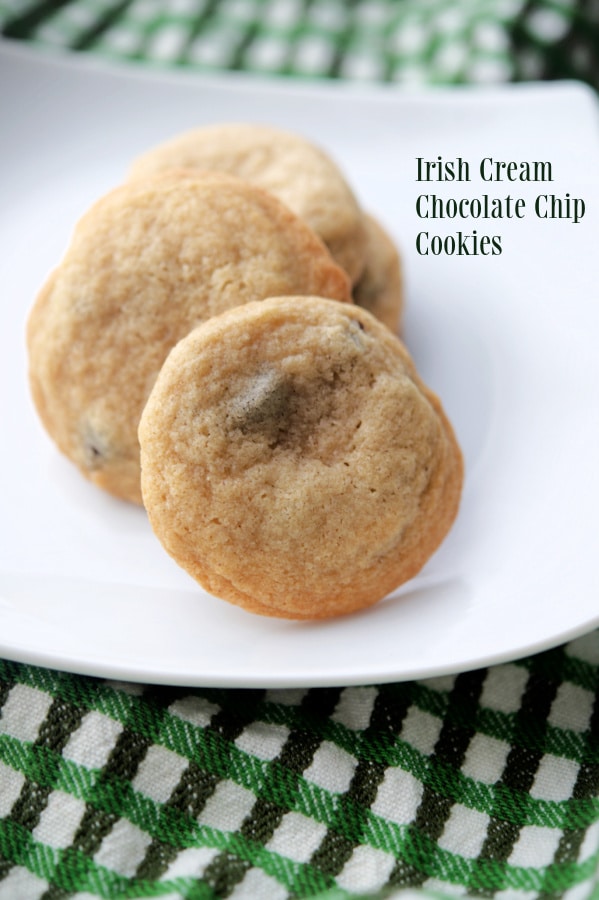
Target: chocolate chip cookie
[
  {"x": 293, "y": 462},
  {"x": 146, "y": 264},
  {"x": 288, "y": 165}
]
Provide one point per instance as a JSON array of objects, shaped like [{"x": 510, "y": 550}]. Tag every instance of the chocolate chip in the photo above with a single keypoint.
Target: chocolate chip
[
  {"x": 95, "y": 450},
  {"x": 263, "y": 405}
]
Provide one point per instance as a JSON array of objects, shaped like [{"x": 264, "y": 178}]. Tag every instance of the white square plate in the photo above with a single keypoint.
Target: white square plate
[{"x": 509, "y": 342}]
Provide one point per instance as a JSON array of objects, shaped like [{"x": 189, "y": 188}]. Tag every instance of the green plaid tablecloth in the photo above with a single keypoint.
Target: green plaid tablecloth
[
  {"x": 483, "y": 783},
  {"x": 408, "y": 41}
]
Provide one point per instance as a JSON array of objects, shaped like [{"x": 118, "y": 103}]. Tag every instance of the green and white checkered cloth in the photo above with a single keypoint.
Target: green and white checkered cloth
[
  {"x": 408, "y": 41},
  {"x": 485, "y": 783}
]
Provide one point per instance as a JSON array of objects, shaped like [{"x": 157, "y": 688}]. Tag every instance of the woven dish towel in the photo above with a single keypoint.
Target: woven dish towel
[
  {"x": 407, "y": 41},
  {"x": 482, "y": 784}
]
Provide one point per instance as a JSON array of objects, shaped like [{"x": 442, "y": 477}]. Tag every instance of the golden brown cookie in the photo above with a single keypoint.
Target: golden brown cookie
[
  {"x": 293, "y": 462},
  {"x": 149, "y": 262},
  {"x": 380, "y": 287},
  {"x": 300, "y": 174}
]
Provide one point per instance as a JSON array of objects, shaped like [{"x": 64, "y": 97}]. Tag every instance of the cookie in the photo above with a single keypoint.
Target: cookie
[
  {"x": 380, "y": 288},
  {"x": 146, "y": 264},
  {"x": 293, "y": 462},
  {"x": 300, "y": 174}
]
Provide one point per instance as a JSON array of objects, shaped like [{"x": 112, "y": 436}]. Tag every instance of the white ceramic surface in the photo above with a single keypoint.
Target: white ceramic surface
[{"x": 509, "y": 342}]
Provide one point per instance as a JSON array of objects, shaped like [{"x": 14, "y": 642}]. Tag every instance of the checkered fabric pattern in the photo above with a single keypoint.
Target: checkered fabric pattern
[
  {"x": 406, "y": 41},
  {"x": 483, "y": 783}
]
